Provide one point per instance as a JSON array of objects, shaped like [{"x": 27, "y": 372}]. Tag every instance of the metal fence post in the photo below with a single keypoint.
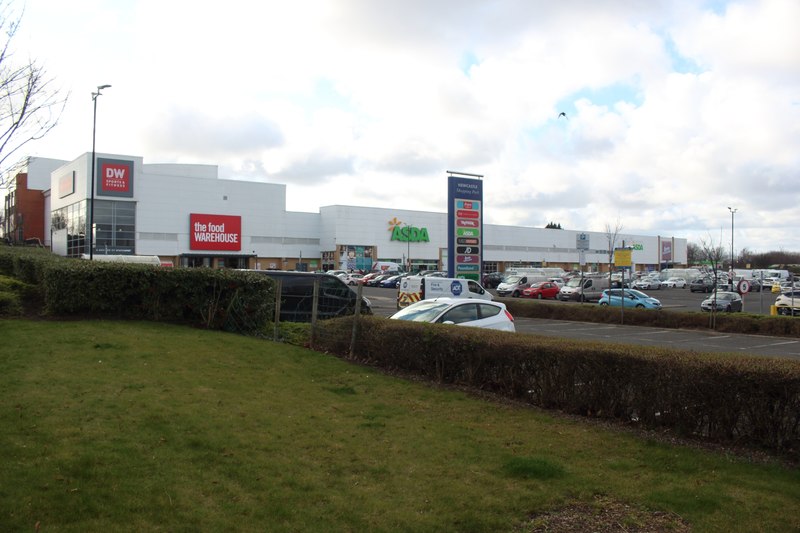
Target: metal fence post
[{"x": 356, "y": 318}]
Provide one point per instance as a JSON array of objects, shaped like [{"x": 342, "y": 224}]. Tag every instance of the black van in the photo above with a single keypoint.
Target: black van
[{"x": 297, "y": 295}]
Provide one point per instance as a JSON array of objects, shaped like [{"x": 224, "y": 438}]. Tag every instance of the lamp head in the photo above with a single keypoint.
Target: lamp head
[{"x": 101, "y": 87}]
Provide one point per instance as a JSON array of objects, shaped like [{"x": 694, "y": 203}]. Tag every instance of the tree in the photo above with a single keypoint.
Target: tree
[
  {"x": 553, "y": 225},
  {"x": 694, "y": 254},
  {"x": 30, "y": 105},
  {"x": 612, "y": 234},
  {"x": 714, "y": 254}
]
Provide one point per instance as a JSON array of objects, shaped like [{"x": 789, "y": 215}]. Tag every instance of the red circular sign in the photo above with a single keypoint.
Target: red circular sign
[{"x": 744, "y": 286}]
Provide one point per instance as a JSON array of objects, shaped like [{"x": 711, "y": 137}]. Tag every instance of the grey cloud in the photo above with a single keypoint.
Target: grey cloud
[
  {"x": 193, "y": 133},
  {"x": 316, "y": 168}
]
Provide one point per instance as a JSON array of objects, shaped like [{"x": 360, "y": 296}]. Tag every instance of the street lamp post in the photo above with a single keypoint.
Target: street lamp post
[
  {"x": 733, "y": 212},
  {"x": 91, "y": 201},
  {"x": 408, "y": 246}
]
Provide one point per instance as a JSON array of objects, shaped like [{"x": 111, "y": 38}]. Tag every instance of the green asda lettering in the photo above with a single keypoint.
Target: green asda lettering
[{"x": 410, "y": 234}]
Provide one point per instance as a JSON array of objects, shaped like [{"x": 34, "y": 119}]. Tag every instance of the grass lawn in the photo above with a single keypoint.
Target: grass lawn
[{"x": 129, "y": 426}]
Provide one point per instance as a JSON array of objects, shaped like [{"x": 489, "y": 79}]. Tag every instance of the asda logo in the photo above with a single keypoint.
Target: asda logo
[{"x": 410, "y": 234}]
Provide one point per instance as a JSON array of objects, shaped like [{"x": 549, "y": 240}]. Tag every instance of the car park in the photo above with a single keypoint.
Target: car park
[
  {"x": 459, "y": 311},
  {"x": 541, "y": 289},
  {"x": 628, "y": 298},
  {"x": 788, "y": 303},
  {"x": 674, "y": 283},
  {"x": 722, "y": 301}
]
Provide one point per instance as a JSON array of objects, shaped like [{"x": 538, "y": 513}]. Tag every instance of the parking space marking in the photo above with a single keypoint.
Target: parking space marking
[{"x": 770, "y": 345}]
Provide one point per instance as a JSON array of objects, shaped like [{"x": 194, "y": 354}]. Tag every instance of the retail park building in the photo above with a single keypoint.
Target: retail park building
[{"x": 188, "y": 215}]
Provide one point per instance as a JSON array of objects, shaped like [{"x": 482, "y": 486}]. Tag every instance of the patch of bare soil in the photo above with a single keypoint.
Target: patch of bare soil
[{"x": 604, "y": 515}]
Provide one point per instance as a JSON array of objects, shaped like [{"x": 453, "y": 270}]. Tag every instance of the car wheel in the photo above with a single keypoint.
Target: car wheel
[
  {"x": 639, "y": 306},
  {"x": 539, "y": 296},
  {"x": 728, "y": 309},
  {"x": 582, "y": 298},
  {"x": 783, "y": 311},
  {"x": 604, "y": 304},
  {"x": 515, "y": 294}
]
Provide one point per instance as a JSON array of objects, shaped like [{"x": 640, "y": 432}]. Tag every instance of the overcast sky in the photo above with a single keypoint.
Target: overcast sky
[{"x": 675, "y": 110}]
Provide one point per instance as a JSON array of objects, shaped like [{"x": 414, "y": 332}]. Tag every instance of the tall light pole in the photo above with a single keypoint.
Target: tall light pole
[
  {"x": 91, "y": 201},
  {"x": 408, "y": 245},
  {"x": 733, "y": 212}
]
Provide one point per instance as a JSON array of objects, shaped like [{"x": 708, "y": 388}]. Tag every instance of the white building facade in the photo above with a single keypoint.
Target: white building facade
[{"x": 189, "y": 216}]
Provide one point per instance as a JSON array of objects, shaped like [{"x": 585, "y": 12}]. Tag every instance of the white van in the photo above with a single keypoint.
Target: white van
[
  {"x": 514, "y": 284},
  {"x": 139, "y": 259},
  {"x": 584, "y": 288},
  {"x": 382, "y": 266},
  {"x": 415, "y": 288}
]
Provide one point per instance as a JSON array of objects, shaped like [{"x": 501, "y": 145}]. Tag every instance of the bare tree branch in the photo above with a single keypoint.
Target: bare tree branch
[{"x": 30, "y": 104}]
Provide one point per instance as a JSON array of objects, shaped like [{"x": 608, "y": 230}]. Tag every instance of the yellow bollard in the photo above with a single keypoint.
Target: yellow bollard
[{"x": 773, "y": 310}]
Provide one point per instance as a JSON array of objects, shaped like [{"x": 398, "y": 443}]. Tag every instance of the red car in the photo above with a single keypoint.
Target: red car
[{"x": 543, "y": 289}]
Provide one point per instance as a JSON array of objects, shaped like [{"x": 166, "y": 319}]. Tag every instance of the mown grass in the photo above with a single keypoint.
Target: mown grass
[{"x": 121, "y": 426}]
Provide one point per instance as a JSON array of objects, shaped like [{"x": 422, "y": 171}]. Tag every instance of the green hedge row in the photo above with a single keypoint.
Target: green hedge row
[
  {"x": 216, "y": 299},
  {"x": 724, "y": 398},
  {"x": 724, "y": 322}
]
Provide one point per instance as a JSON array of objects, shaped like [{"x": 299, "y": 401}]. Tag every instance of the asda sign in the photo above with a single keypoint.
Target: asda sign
[{"x": 410, "y": 234}]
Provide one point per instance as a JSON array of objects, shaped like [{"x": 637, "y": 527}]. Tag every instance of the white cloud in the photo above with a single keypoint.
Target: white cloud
[{"x": 360, "y": 102}]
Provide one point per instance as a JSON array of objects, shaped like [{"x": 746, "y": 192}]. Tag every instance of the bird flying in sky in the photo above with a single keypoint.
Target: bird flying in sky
[{"x": 562, "y": 114}]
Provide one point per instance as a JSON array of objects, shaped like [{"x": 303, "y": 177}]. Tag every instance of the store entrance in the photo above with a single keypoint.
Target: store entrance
[{"x": 211, "y": 261}]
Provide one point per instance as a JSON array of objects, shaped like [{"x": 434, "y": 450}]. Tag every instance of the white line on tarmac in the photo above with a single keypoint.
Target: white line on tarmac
[{"x": 769, "y": 345}]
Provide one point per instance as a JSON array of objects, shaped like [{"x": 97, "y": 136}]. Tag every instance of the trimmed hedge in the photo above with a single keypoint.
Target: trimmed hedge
[
  {"x": 217, "y": 299},
  {"x": 14, "y": 293},
  {"x": 724, "y": 398},
  {"x": 725, "y": 322}
]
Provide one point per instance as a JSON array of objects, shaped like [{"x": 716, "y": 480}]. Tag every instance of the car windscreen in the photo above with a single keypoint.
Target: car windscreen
[{"x": 421, "y": 312}]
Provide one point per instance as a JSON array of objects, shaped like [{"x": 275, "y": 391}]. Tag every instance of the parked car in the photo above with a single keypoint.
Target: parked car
[
  {"x": 392, "y": 282},
  {"x": 459, "y": 311},
  {"x": 788, "y": 303},
  {"x": 647, "y": 284},
  {"x": 632, "y": 298},
  {"x": 375, "y": 282},
  {"x": 675, "y": 283},
  {"x": 366, "y": 277},
  {"x": 542, "y": 289},
  {"x": 297, "y": 296},
  {"x": 722, "y": 301},
  {"x": 492, "y": 280},
  {"x": 352, "y": 278},
  {"x": 701, "y": 285}
]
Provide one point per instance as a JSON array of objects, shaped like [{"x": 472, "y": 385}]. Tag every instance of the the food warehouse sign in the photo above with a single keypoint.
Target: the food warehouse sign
[{"x": 215, "y": 232}]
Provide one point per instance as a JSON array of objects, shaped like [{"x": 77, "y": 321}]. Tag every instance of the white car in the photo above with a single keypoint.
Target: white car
[
  {"x": 352, "y": 279},
  {"x": 678, "y": 283},
  {"x": 647, "y": 284},
  {"x": 788, "y": 303},
  {"x": 459, "y": 311}
]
